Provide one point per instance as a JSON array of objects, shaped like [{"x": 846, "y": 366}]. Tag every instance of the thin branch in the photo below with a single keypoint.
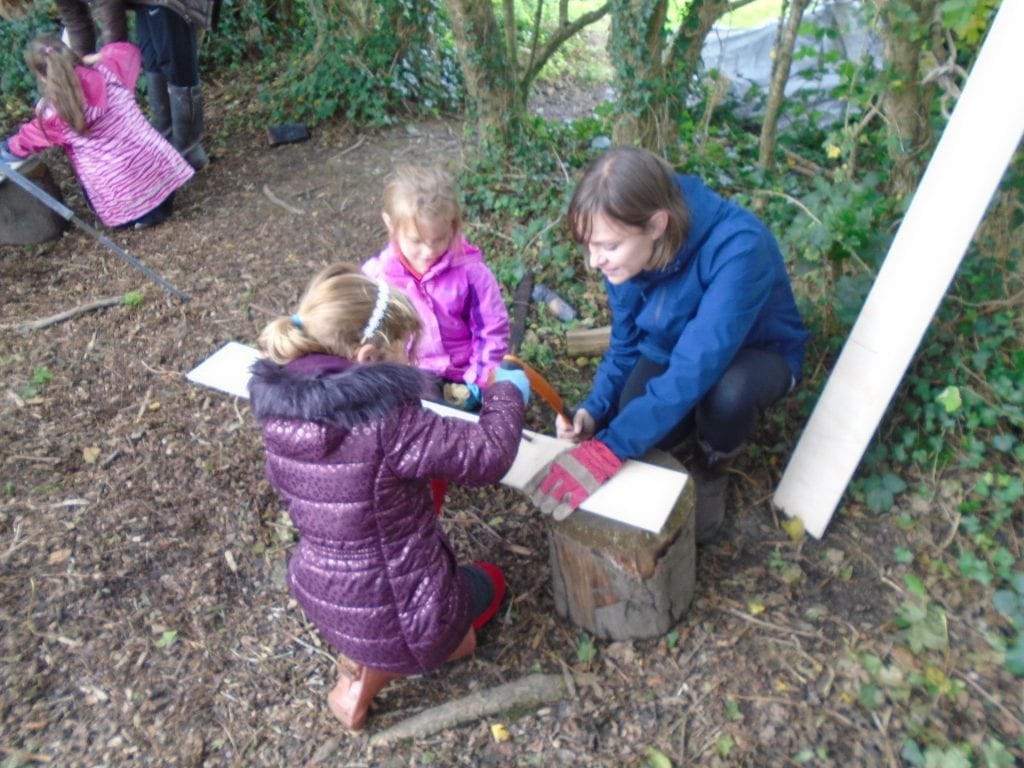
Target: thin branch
[
  {"x": 556, "y": 40},
  {"x": 43, "y": 322},
  {"x": 532, "y": 690},
  {"x": 769, "y": 625},
  {"x": 854, "y": 257},
  {"x": 278, "y": 201}
]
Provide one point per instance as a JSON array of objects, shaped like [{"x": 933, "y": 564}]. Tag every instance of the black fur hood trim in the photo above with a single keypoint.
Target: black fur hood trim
[{"x": 331, "y": 390}]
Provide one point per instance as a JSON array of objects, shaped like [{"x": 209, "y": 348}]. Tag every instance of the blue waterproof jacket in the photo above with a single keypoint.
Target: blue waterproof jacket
[{"x": 725, "y": 290}]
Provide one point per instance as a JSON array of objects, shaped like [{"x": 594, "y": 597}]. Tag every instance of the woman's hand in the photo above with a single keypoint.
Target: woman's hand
[{"x": 582, "y": 427}]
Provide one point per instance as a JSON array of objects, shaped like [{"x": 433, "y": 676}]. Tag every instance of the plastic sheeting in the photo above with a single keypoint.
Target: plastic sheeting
[{"x": 744, "y": 56}]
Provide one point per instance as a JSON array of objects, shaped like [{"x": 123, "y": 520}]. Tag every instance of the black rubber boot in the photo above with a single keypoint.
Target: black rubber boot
[
  {"x": 159, "y": 103},
  {"x": 187, "y": 124},
  {"x": 710, "y": 471}
]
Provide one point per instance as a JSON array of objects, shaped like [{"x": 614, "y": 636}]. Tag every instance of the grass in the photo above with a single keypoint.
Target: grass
[{"x": 753, "y": 15}]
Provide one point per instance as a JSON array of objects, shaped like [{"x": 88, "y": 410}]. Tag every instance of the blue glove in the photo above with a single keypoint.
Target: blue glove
[
  {"x": 516, "y": 376},
  {"x": 476, "y": 397}
]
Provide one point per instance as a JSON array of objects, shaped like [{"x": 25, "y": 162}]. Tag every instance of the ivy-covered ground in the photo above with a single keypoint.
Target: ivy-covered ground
[{"x": 142, "y": 604}]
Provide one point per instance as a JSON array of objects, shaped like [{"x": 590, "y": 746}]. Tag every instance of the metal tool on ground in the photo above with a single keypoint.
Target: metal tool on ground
[{"x": 66, "y": 213}]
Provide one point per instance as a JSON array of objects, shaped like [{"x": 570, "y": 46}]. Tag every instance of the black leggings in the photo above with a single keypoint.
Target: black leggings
[
  {"x": 168, "y": 43},
  {"x": 726, "y": 416}
]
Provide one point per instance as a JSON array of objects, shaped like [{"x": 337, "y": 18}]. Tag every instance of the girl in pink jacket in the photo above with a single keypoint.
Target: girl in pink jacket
[
  {"x": 128, "y": 170},
  {"x": 465, "y": 323}
]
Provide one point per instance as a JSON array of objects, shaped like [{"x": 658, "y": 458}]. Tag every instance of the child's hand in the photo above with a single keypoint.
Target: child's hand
[
  {"x": 582, "y": 427},
  {"x": 516, "y": 376}
]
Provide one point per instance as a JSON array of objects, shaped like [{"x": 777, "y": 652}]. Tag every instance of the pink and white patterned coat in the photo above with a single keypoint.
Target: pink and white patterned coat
[{"x": 126, "y": 167}]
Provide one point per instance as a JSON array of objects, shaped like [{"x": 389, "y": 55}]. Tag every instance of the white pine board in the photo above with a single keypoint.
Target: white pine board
[
  {"x": 227, "y": 369},
  {"x": 982, "y": 134},
  {"x": 640, "y": 494}
]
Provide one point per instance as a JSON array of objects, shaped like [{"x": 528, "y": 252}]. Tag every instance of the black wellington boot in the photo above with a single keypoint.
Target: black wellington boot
[
  {"x": 159, "y": 103},
  {"x": 187, "y": 123},
  {"x": 710, "y": 471}
]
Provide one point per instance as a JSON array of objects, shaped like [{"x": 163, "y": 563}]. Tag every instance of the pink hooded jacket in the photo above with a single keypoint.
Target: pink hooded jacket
[
  {"x": 465, "y": 323},
  {"x": 126, "y": 167}
]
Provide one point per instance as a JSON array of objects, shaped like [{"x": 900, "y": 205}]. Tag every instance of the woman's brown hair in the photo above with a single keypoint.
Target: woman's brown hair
[{"x": 630, "y": 185}]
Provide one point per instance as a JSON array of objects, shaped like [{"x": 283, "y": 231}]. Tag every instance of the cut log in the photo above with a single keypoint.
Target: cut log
[
  {"x": 588, "y": 341},
  {"x": 23, "y": 219},
  {"x": 619, "y": 582}
]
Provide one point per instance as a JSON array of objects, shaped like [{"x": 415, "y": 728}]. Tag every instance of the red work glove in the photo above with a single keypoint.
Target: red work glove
[{"x": 572, "y": 477}]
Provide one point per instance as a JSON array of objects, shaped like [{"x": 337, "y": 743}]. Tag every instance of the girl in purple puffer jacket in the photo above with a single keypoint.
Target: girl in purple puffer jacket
[{"x": 351, "y": 450}]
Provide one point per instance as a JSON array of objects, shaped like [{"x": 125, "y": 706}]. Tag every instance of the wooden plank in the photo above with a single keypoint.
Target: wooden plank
[
  {"x": 983, "y": 132},
  {"x": 587, "y": 341},
  {"x": 642, "y": 495}
]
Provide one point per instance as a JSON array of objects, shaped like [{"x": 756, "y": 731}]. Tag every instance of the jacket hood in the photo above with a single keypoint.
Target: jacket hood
[
  {"x": 706, "y": 209},
  {"x": 459, "y": 253},
  {"x": 331, "y": 390}
]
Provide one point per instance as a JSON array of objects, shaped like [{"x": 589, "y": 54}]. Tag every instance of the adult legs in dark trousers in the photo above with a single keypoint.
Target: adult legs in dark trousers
[
  {"x": 170, "y": 58},
  {"x": 80, "y": 21},
  {"x": 717, "y": 429}
]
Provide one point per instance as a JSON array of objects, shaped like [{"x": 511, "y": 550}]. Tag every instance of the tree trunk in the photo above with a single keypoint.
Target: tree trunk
[
  {"x": 635, "y": 49},
  {"x": 497, "y": 86},
  {"x": 907, "y": 103},
  {"x": 655, "y": 70},
  {"x": 780, "y": 75},
  {"x": 490, "y": 80}
]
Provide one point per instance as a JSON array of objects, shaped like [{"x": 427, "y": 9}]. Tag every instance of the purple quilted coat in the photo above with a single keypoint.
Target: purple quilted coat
[{"x": 350, "y": 449}]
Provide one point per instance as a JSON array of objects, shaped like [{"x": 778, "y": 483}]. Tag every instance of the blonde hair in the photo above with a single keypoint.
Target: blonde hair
[
  {"x": 53, "y": 64},
  {"x": 333, "y": 318},
  {"x": 630, "y": 185},
  {"x": 419, "y": 195}
]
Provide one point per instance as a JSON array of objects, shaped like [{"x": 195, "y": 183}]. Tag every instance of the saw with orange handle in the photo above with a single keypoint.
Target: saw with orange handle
[{"x": 538, "y": 384}]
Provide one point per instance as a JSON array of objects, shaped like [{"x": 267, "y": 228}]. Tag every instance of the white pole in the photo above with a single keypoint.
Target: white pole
[{"x": 983, "y": 132}]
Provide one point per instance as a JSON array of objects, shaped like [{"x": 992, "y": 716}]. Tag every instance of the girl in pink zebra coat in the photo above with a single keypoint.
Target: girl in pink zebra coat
[{"x": 128, "y": 170}]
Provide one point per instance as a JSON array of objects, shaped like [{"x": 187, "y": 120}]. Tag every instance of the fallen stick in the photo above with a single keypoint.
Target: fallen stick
[
  {"x": 278, "y": 201},
  {"x": 525, "y": 692},
  {"x": 43, "y": 322}
]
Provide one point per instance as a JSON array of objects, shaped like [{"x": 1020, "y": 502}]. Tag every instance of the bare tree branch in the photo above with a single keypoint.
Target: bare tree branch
[{"x": 553, "y": 43}]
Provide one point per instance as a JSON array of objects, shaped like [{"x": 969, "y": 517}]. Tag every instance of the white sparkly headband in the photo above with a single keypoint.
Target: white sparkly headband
[{"x": 383, "y": 295}]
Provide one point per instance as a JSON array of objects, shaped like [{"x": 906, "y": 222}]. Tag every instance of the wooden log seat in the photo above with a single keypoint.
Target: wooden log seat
[{"x": 619, "y": 582}]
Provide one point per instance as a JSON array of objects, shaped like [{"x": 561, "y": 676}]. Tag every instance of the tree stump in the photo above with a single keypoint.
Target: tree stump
[
  {"x": 23, "y": 219},
  {"x": 619, "y": 582}
]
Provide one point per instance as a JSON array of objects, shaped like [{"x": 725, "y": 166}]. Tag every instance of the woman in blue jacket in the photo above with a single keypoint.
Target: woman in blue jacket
[{"x": 705, "y": 331}]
